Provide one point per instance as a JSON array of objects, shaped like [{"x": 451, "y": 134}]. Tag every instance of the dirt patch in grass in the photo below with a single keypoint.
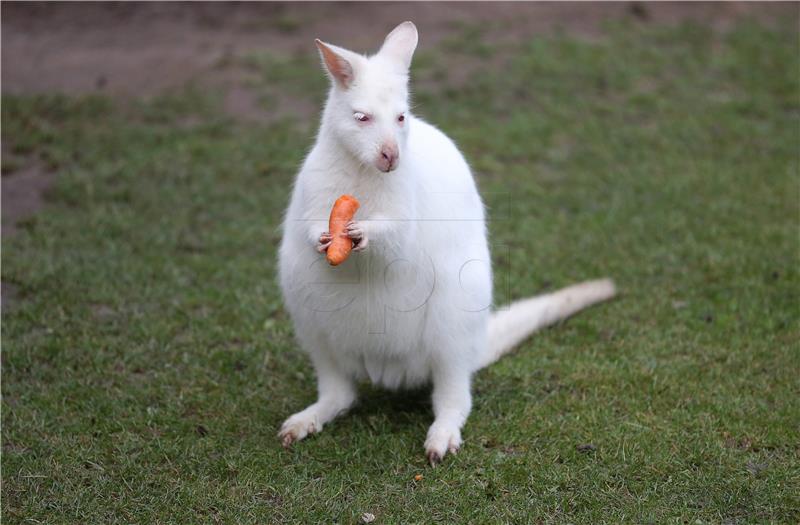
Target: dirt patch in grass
[
  {"x": 10, "y": 295},
  {"x": 23, "y": 193}
]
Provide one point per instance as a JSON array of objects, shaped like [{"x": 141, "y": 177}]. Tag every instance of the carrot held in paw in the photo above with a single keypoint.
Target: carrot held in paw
[{"x": 342, "y": 213}]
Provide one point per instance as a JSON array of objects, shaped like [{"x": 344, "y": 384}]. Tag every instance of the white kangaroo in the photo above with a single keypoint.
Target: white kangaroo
[{"x": 412, "y": 305}]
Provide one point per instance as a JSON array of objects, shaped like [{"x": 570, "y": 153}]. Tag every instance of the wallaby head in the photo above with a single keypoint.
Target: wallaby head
[{"x": 368, "y": 103}]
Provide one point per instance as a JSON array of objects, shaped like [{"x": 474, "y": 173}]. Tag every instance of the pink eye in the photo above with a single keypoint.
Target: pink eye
[
  {"x": 361, "y": 117},
  {"x": 401, "y": 118}
]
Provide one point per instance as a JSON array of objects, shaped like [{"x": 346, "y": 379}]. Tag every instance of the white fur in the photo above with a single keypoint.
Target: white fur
[{"x": 414, "y": 306}]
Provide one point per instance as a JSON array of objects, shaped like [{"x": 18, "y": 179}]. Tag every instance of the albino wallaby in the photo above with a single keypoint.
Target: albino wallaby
[{"x": 413, "y": 304}]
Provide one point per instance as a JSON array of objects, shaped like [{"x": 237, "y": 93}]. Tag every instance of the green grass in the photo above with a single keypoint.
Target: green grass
[{"x": 148, "y": 362}]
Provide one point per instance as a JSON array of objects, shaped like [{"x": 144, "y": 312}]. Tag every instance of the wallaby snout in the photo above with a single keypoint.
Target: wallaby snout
[{"x": 388, "y": 158}]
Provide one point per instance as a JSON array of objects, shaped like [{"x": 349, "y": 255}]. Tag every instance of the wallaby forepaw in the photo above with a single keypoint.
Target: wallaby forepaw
[
  {"x": 357, "y": 235},
  {"x": 325, "y": 240}
]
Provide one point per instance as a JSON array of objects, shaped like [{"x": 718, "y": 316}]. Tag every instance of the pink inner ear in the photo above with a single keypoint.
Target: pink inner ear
[
  {"x": 340, "y": 68},
  {"x": 344, "y": 72}
]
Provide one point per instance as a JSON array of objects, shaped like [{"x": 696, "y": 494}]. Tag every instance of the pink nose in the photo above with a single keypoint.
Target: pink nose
[{"x": 387, "y": 161}]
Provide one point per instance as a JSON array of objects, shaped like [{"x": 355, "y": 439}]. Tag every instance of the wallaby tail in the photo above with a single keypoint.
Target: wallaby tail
[{"x": 512, "y": 325}]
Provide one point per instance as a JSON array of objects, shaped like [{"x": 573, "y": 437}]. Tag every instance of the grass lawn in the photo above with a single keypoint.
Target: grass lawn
[{"x": 147, "y": 361}]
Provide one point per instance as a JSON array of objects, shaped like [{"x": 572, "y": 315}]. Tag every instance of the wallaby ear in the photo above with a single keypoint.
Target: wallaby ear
[
  {"x": 338, "y": 62},
  {"x": 401, "y": 43}
]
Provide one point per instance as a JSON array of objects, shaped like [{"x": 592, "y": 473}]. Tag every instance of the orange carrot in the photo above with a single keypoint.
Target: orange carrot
[{"x": 342, "y": 212}]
